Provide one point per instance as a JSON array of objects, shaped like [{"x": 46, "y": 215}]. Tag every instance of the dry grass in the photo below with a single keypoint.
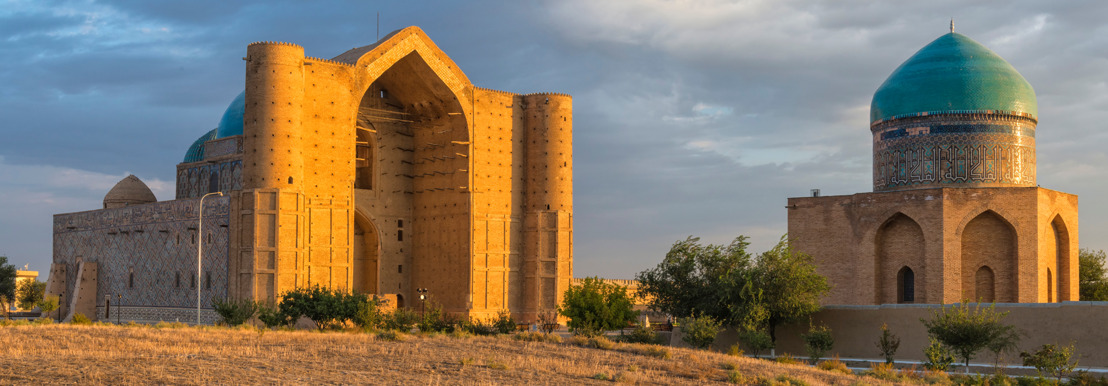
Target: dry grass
[{"x": 97, "y": 354}]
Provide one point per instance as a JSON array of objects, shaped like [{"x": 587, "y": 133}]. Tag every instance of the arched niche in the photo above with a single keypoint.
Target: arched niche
[
  {"x": 899, "y": 244},
  {"x": 367, "y": 251},
  {"x": 1058, "y": 263},
  {"x": 989, "y": 241}
]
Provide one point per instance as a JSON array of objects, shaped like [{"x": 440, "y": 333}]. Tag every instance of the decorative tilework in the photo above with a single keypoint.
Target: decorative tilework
[
  {"x": 151, "y": 315},
  {"x": 954, "y": 150},
  {"x": 195, "y": 180},
  {"x": 155, "y": 242}
]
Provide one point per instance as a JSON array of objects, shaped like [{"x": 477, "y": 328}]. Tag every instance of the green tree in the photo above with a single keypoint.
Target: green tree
[
  {"x": 967, "y": 330},
  {"x": 1051, "y": 360},
  {"x": 1092, "y": 278},
  {"x": 818, "y": 341},
  {"x": 596, "y": 306},
  {"x": 29, "y": 292},
  {"x": 790, "y": 287},
  {"x": 48, "y": 304},
  {"x": 695, "y": 279},
  {"x": 235, "y": 312},
  {"x": 700, "y": 331},
  {"x": 755, "y": 339},
  {"x": 328, "y": 308},
  {"x": 1006, "y": 341},
  {"x": 7, "y": 286}
]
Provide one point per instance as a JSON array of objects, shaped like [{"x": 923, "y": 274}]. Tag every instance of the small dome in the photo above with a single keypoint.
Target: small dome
[
  {"x": 953, "y": 73},
  {"x": 195, "y": 152},
  {"x": 129, "y": 191},
  {"x": 231, "y": 123}
]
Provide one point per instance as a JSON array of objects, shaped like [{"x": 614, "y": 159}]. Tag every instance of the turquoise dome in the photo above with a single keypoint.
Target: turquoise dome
[
  {"x": 231, "y": 123},
  {"x": 196, "y": 151},
  {"x": 953, "y": 73}
]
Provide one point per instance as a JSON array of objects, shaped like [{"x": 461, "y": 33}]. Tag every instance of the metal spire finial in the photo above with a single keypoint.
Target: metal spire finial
[{"x": 952, "y": 25}]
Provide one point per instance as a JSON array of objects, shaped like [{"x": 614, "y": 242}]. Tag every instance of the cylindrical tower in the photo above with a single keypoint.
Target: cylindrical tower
[
  {"x": 272, "y": 121},
  {"x": 955, "y": 114},
  {"x": 547, "y": 201},
  {"x": 549, "y": 125}
]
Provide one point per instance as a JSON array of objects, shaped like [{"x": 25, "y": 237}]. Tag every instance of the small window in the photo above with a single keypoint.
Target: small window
[
  {"x": 131, "y": 279},
  {"x": 208, "y": 280},
  {"x": 400, "y": 223},
  {"x": 192, "y": 281},
  {"x": 400, "y": 235},
  {"x": 400, "y": 268},
  {"x": 177, "y": 281},
  {"x": 290, "y": 180}
]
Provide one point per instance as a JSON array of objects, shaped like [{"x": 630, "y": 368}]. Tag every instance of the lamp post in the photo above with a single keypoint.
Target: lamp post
[
  {"x": 200, "y": 249},
  {"x": 422, "y": 301}
]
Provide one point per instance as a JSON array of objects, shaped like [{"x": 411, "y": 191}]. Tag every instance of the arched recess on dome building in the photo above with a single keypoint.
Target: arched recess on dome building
[
  {"x": 1056, "y": 260},
  {"x": 367, "y": 254},
  {"x": 989, "y": 241},
  {"x": 899, "y": 244}
]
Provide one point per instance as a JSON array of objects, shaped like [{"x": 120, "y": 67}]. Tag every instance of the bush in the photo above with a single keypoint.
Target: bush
[
  {"x": 48, "y": 304},
  {"x": 81, "y": 319},
  {"x": 596, "y": 306},
  {"x": 367, "y": 315},
  {"x": 401, "y": 319},
  {"x": 966, "y": 331},
  {"x": 599, "y": 342},
  {"x": 883, "y": 371},
  {"x": 787, "y": 359},
  {"x": 1051, "y": 360},
  {"x": 328, "y": 308},
  {"x": 937, "y": 357},
  {"x": 269, "y": 316},
  {"x": 834, "y": 365},
  {"x": 888, "y": 343},
  {"x": 700, "y": 331},
  {"x": 735, "y": 351},
  {"x": 504, "y": 323},
  {"x": 756, "y": 340},
  {"x": 235, "y": 312},
  {"x": 818, "y": 341},
  {"x": 641, "y": 334}
]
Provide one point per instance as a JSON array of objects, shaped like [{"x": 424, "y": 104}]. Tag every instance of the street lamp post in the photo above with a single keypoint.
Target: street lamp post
[
  {"x": 422, "y": 301},
  {"x": 200, "y": 249}
]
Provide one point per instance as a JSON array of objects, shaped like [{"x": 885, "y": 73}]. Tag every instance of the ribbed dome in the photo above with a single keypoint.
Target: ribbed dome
[
  {"x": 196, "y": 150},
  {"x": 129, "y": 191},
  {"x": 231, "y": 123},
  {"x": 953, "y": 74}
]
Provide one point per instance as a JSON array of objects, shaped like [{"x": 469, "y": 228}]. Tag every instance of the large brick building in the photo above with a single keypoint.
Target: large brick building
[
  {"x": 955, "y": 213},
  {"x": 382, "y": 170}
]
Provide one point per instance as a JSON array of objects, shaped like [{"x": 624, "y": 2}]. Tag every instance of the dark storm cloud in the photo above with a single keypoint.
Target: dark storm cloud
[{"x": 690, "y": 117}]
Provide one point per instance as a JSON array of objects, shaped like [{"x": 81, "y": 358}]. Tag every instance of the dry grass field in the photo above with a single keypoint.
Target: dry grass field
[{"x": 105, "y": 354}]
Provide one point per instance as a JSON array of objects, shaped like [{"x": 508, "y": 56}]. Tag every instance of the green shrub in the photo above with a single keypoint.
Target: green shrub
[
  {"x": 734, "y": 376},
  {"x": 936, "y": 356},
  {"x": 48, "y": 304},
  {"x": 269, "y": 316},
  {"x": 391, "y": 336},
  {"x": 504, "y": 323},
  {"x": 818, "y": 341},
  {"x": 641, "y": 334},
  {"x": 787, "y": 359},
  {"x": 401, "y": 319},
  {"x": 1051, "y": 360},
  {"x": 735, "y": 351},
  {"x": 235, "y": 312},
  {"x": 834, "y": 365},
  {"x": 81, "y": 319},
  {"x": 700, "y": 331},
  {"x": 1084, "y": 378},
  {"x": 367, "y": 314},
  {"x": 883, "y": 371},
  {"x": 756, "y": 340}
]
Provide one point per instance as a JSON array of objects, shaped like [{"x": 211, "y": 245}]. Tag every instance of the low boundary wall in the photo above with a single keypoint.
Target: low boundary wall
[{"x": 856, "y": 329}]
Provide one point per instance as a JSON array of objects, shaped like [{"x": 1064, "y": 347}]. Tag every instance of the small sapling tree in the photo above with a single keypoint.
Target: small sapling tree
[
  {"x": 1051, "y": 360},
  {"x": 888, "y": 343},
  {"x": 818, "y": 341},
  {"x": 966, "y": 330}
]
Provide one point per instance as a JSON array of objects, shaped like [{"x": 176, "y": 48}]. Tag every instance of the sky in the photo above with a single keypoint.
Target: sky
[{"x": 691, "y": 117}]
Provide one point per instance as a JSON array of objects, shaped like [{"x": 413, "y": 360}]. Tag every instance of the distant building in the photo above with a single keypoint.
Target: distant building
[
  {"x": 20, "y": 277},
  {"x": 382, "y": 170},
  {"x": 955, "y": 213}
]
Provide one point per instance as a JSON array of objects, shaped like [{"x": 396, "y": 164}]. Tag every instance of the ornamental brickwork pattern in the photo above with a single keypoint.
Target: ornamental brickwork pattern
[{"x": 147, "y": 253}]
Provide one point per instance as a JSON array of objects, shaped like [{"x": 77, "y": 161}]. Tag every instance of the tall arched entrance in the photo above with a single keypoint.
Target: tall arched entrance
[
  {"x": 899, "y": 247},
  {"x": 1057, "y": 263},
  {"x": 989, "y": 259}
]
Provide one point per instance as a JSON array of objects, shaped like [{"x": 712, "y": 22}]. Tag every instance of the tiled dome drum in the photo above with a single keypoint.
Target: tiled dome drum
[{"x": 955, "y": 114}]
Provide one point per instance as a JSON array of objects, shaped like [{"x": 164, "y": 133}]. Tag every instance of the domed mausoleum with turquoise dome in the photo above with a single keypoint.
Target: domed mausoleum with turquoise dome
[
  {"x": 954, "y": 114},
  {"x": 955, "y": 211}
]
